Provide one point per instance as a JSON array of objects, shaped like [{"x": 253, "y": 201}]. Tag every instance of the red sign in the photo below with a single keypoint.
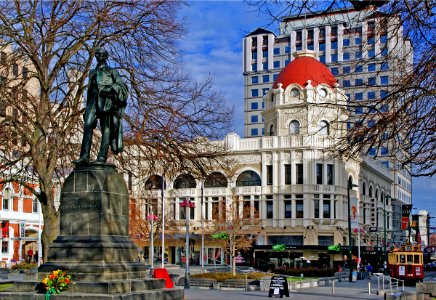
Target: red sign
[{"x": 404, "y": 222}]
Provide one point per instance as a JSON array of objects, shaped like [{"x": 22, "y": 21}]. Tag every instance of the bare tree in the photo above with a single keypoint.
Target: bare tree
[
  {"x": 403, "y": 117},
  {"x": 235, "y": 228},
  {"x": 47, "y": 51}
]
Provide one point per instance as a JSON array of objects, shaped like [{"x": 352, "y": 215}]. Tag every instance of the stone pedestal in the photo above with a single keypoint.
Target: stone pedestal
[{"x": 94, "y": 246}]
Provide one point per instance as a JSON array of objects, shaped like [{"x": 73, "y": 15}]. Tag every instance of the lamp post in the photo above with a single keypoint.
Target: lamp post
[
  {"x": 384, "y": 235},
  {"x": 187, "y": 204},
  {"x": 163, "y": 219},
  {"x": 350, "y": 255},
  {"x": 152, "y": 218}
]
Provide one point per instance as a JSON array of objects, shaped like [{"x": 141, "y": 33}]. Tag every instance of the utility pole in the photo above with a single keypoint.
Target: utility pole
[{"x": 350, "y": 254}]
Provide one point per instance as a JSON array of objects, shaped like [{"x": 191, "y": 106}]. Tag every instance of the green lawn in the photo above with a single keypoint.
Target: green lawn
[{"x": 5, "y": 286}]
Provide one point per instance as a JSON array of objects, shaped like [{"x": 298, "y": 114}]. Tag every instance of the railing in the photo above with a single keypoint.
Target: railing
[{"x": 388, "y": 283}]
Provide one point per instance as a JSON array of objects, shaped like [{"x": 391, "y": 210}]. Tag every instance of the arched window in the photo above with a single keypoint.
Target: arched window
[
  {"x": 271, "y": 130},
  {"x": 154, "y": 182},
  {"x": 248, "y": 178},
  {"x": 185, "y": 181},
  {"x": 364, "y": 189},
  {"x": 294, "y": 127},
  {"x": 215, "y": 179},
  {"x": 370, "y": 191},
  {"x": 324, "y": 127},
  {"x": 7, "y": 197},
  {"x": 295, "y": 92}
]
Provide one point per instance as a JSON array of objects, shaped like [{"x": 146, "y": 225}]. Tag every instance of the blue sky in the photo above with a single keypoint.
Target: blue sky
[{"x": 213, "y": 46}]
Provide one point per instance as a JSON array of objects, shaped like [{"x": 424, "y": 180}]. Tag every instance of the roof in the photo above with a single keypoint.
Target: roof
[
  {"x": 260, "y": 31},
  {"x": 303, "y": 68}
]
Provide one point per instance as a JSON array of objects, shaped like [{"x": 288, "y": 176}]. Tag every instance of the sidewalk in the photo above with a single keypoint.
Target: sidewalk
[{"x": 343, "y": 290}]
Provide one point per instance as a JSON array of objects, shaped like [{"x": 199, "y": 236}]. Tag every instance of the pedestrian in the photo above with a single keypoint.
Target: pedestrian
[
  {"x": 29, "y": 255},
  {"x": 369, "y": 270}
]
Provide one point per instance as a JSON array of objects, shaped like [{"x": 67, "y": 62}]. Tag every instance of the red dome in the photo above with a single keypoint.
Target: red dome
[{"x": 303, "y": 68}]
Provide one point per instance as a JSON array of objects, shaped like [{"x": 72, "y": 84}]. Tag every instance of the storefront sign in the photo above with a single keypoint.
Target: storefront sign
[
  {"x": 278, "y": 287},
  {"x": 279, "y": 247}
]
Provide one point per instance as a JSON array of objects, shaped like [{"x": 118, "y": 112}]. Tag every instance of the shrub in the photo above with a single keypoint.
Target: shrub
[
  {"x": 23, "y": 266},
  {"x": 222, "y": 276},
  {"x": 309, "y": 272}
]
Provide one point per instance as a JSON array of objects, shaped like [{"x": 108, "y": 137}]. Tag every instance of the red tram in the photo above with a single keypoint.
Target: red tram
[{"x": 406, "y": 263}]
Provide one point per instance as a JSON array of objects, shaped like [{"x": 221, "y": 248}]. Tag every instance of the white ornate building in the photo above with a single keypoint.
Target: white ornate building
[{"x": 290, "y": 180}]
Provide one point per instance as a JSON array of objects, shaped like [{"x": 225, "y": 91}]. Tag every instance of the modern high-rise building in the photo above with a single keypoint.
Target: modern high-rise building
[{"x": 365, "y": 50}]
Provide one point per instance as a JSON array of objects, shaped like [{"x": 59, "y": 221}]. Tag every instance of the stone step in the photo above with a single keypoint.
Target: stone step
[{"x": 163, "y": 294}]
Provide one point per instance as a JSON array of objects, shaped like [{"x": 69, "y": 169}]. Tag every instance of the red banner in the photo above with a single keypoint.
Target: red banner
[{"x": 404, "y": 222}]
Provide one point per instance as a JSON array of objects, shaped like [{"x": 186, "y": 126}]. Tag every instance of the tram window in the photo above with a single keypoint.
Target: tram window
[
  {"x": 402, "y": 259},
  {"x": 409, "y": 259},
  {"x": 416, "y": 259}
]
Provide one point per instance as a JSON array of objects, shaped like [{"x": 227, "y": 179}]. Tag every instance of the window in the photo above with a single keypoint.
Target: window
[
  {"x": 254, "y": 105},
  {"x": 287, "y": 61},
  {"x": 254, "y": 79},
  {"x": 384, "y": 67},
  {"x": 271, "y": 130},
  {"x": 357, "y": 40},
  {"x": 275, "y": 77},
  {"x": 346, "y": 42},
  {"x": 254, "y": 67},
  {"x": 384, "y": 151},
  {"x": 254, "y": 55},
  {"x": 334, "y": 57},
  {"x": 371, "y": 53},
  {"x": 383, "y": 39},
  {"x": 288, "y": 174},
  {"x": 15, "y": 70},
  {"x": 384, "y": 108},
  {"x": 335, "y": 71},
  {"x": 346, "y": 56},
  {"x": 358, "y": 55},
  {"x": 276, "y": 51},
  {"x": 265, "y": 66},
  {"x": 35, "y": 205},
  {"x": 269, "y": 209},
  {"x": 330, "y": 174},
  {"x": 322, "y": 58},
  {"x": 7, "y": 195},
  {"x": 371, "y": 68},
  {"x": 5, "y": 246},
  {"x": 263, "y": 106},
  {"x": 254, "y": 93},
  {"x": 371, "y": 81},
  {"x": 316, "y": 208},
  {"x": 372, "y": 151},
  {"x": 358, "y": 96},
  {"x": 265, "y": 53},
  {"x": 358, "y": 68},
  {"x": 384, "y": 51},
  {"x": 269, "y": 175},
  {"x": 358, "y": 82},
  {"x": 371, "y": 123},
  {"x": 385, "y": 164},
  {"x": 277, "y": 64},
  {"x": 287, "y": 49},
  {"x": 371, "y": 95},
  {"x": 298, "y": 47},
  {"x": 321, "y": 46},
  {"x": 319, "y": 171},
  {"x": 265, "y": 78},
  {"x": 294, "y": 127},
  {"x": 384, "y": 80},
  {"x": 371, "y": 41},
  {"x": 346, "y": 69},
  {"x": 323, "y": 127},
  {"x": 265, "y": 91},
  {"x": 299, "y": 175},
  {"x": 254, "y": 131},
  {"x": 358, "y": 110},
  {"x": 25, "y": 72},
  {"x": 254, "y": 119},
  {"x": 310, "y": 47},
  {"x": 384, "y": 94},
  {"x": 326, "y": 209},
  {"x": 299, "y": 209},
  {"x": 288, "y": 209},
  {"x": 325, "y": 240},
  {"x": 334, "y": 45}
]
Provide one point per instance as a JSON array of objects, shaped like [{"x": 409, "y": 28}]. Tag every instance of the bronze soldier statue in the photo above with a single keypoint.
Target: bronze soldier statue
[{"x": 106, "y": 101}]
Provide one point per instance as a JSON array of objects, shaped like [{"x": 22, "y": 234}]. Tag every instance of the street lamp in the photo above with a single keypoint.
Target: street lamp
[
  {"x": 384, "y": 235},
  {"x": 350, "y": 258},
  {"x": 187, "y": 204},
  {"x": 152, "y": 218}
]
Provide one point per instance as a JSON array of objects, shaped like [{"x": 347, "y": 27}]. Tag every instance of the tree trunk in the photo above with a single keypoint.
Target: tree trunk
[{"x": 51, "y": 221}]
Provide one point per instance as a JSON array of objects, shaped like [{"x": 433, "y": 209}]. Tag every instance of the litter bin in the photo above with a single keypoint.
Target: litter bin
[{"x": 354, "y": 276}]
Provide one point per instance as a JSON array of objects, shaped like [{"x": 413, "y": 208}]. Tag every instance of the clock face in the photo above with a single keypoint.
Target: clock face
[{"x": 322, "y": 92}]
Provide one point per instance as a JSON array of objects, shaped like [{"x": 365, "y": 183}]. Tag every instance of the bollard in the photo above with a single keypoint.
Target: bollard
[
  {"x": 369, "y": 288},
  {"x": 333, "y": 287}
]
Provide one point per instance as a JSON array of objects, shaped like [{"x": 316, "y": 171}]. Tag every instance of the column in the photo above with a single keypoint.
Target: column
[{"x": 328, "y": 47}]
